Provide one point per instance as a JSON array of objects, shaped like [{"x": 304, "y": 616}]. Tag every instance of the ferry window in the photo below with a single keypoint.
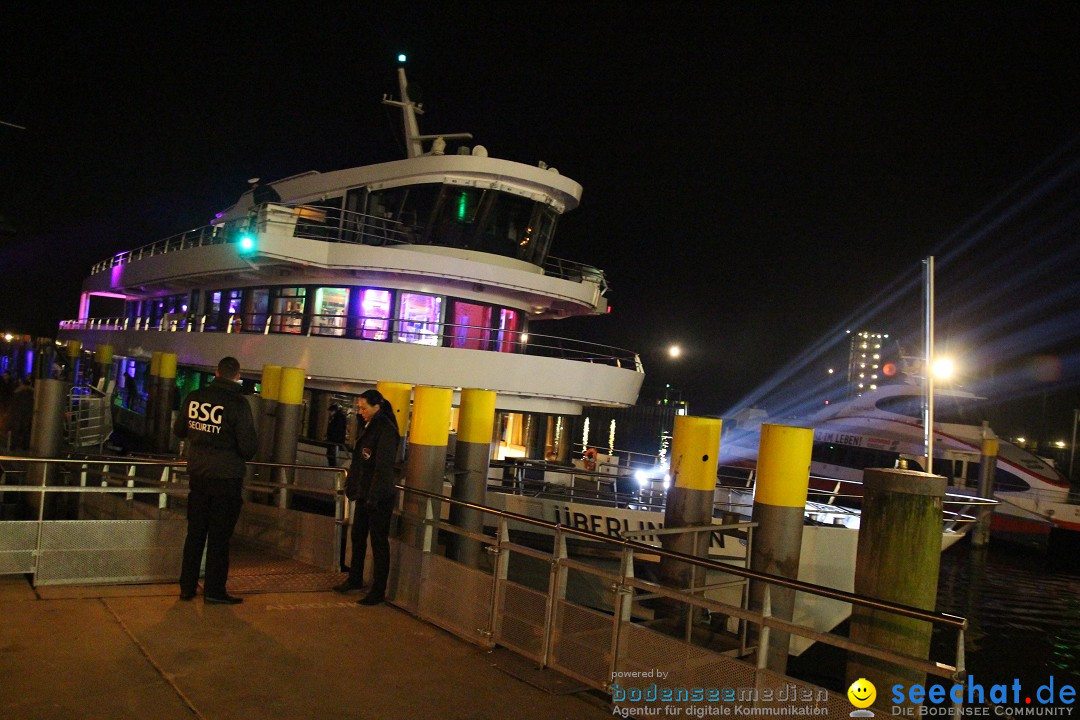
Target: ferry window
[
  {"x": 418, "y": 318},
  {"x": 224, "y": 306},
  {"x": 398, "y": 215},
  {"x": 453, "y": 220},
  {"x": 213, "y": 311},
  {"x": 328, "y": 316},
  {"x": 901, "y": 405},
  {"x": 288, "y": 310},
  {"x": 1006, "y": 481},
  {"x": 256, "y": 309},
  {"x": 471, "y": 326},
  {"x": 375, "y": 312},
  {"x": 506, "y": 228},
  {"x": 508, "y": 338}
]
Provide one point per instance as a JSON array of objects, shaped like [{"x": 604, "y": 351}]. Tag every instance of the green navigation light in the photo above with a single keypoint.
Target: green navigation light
[
  {"x": 401, "y": 57},
  {"x": 247, "y": 244}
]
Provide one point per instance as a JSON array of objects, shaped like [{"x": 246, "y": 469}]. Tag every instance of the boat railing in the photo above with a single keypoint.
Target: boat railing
[
  {"x": 377, "y": 329},
  {"x": 326, "y": 224}
]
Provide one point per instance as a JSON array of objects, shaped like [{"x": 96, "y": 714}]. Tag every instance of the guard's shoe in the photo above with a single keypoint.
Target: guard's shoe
[
  {"x": 347, "y": 587},
  {"x": 371, "y": 599},
  {"x": 225, "y": 599},
  {"x": 185, "y": 596}
]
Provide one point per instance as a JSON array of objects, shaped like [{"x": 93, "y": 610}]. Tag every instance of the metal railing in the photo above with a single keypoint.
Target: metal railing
[
  {"x": 117, "y": 520},
  {"x": 610, "y": 639},
  {"x": 326, "y": 224},
  {"x": 378, "y": 329},
  {"x": 608, "y": 488}
]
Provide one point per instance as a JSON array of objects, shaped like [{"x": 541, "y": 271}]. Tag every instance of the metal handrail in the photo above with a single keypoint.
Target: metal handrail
[
  {"x": 798, "y": 585},
  {"x": 349, "y": 227},
  {"x": 395, "y": 330}
]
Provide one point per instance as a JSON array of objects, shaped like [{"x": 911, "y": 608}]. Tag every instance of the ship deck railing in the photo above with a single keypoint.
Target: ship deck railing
[
  {"x": 374, "y": 329},
  {"x": 326, "y": 224}
]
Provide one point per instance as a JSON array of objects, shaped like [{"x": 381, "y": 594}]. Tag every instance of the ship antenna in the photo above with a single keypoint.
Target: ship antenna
[{"x": 409, "y": 110}]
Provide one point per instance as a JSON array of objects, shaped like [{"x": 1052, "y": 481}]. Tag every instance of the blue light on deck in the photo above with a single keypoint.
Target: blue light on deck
[{"x": 401, "y": 57}]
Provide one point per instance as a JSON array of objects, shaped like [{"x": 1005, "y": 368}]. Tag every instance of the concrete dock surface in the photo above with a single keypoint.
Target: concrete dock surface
[{"x": 138, "y": 651}]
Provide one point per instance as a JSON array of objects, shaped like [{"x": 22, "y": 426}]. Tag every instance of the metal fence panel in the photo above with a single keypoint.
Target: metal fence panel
[
  {"x": 406, "y": 575},
  {"x": 117, "y": 551},
  {"x": 18, "y": 538},
  {"x": 582, "y": 646},
  {"x": 457, "y": 598},
  {"x": 520, "y": 624},
  {"x": 646, "y": 651}
]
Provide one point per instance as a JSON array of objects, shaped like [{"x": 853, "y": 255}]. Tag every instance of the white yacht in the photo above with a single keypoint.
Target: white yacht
[{"x": 883, "y": 427}]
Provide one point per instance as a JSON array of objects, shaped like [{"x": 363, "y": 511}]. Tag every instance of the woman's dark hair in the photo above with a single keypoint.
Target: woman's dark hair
[{"x": 374, "y": 397}]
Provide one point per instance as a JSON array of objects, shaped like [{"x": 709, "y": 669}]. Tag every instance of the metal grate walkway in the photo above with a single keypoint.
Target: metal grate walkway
[{"x": 256, "y": 570}]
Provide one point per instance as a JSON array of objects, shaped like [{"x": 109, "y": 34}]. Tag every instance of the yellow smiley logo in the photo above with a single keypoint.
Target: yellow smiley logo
[{"x": 862, "y": 693}]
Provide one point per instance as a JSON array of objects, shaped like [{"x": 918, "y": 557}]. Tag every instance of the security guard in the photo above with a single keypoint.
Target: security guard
[{"x": 217, "y": 422}]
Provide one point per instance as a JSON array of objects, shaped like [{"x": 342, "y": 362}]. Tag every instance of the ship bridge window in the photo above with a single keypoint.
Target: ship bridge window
[
  {"x": 374, "y": 313},
  {"x": 328, "y": 315},
  {"x": 288, "y": 310},
  {"x": 471, "y": 326},
  {"x": 419, "y": 317}
]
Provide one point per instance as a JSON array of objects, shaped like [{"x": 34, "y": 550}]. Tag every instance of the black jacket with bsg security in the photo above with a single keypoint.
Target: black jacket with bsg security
[{"x": 217, "y": 423}]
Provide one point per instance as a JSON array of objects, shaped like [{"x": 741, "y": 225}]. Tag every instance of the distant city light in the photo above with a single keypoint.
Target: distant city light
[
  {"x": 1060, "y": 443},
  {"x": 831, "y": 371},
  {"x": 1021, "y": 440}
]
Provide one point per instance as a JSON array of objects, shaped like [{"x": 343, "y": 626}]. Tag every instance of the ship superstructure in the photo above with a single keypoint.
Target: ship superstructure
[{"x": 427, "y": 270}]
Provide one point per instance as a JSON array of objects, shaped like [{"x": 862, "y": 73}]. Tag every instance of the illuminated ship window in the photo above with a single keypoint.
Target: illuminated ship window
[
  {"x": 375, "y": 312},
  {"x": 418, "y": 318},
  {"x": 328, "y": 316}
]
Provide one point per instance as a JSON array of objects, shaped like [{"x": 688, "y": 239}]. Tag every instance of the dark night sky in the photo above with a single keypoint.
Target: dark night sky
[{"x": 754, "y": 176}]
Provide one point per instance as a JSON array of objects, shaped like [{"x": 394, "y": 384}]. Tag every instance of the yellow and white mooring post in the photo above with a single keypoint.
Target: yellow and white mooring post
[
  {"x": 695, "y": 450},
  {"x": 289, "y": 416},
  {"x": 783, "y": 478},
  {"x": 429, "y": 435},
  {"x": 472, "y": 458},
  {"x": 165, "y": 399}
]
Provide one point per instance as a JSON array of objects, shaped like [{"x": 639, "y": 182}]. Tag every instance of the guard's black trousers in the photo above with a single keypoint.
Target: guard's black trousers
[
  {"x": 211, "y": 520},
  {"x": 375, "y": 523}
]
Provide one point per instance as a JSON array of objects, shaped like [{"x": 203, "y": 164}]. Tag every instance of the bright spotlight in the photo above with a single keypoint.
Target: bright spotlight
[
  {"x": 943, "y": 368},
  {"x": 1060, "y": 443},
  {"x": 674, "y": 351}
]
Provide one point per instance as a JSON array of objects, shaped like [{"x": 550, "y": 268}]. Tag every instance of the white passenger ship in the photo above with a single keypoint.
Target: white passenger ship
[{"x": 428, "y": 271}]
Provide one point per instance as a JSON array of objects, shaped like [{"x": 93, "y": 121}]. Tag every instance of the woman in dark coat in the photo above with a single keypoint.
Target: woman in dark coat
[{"x": 370, "y": 486}]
